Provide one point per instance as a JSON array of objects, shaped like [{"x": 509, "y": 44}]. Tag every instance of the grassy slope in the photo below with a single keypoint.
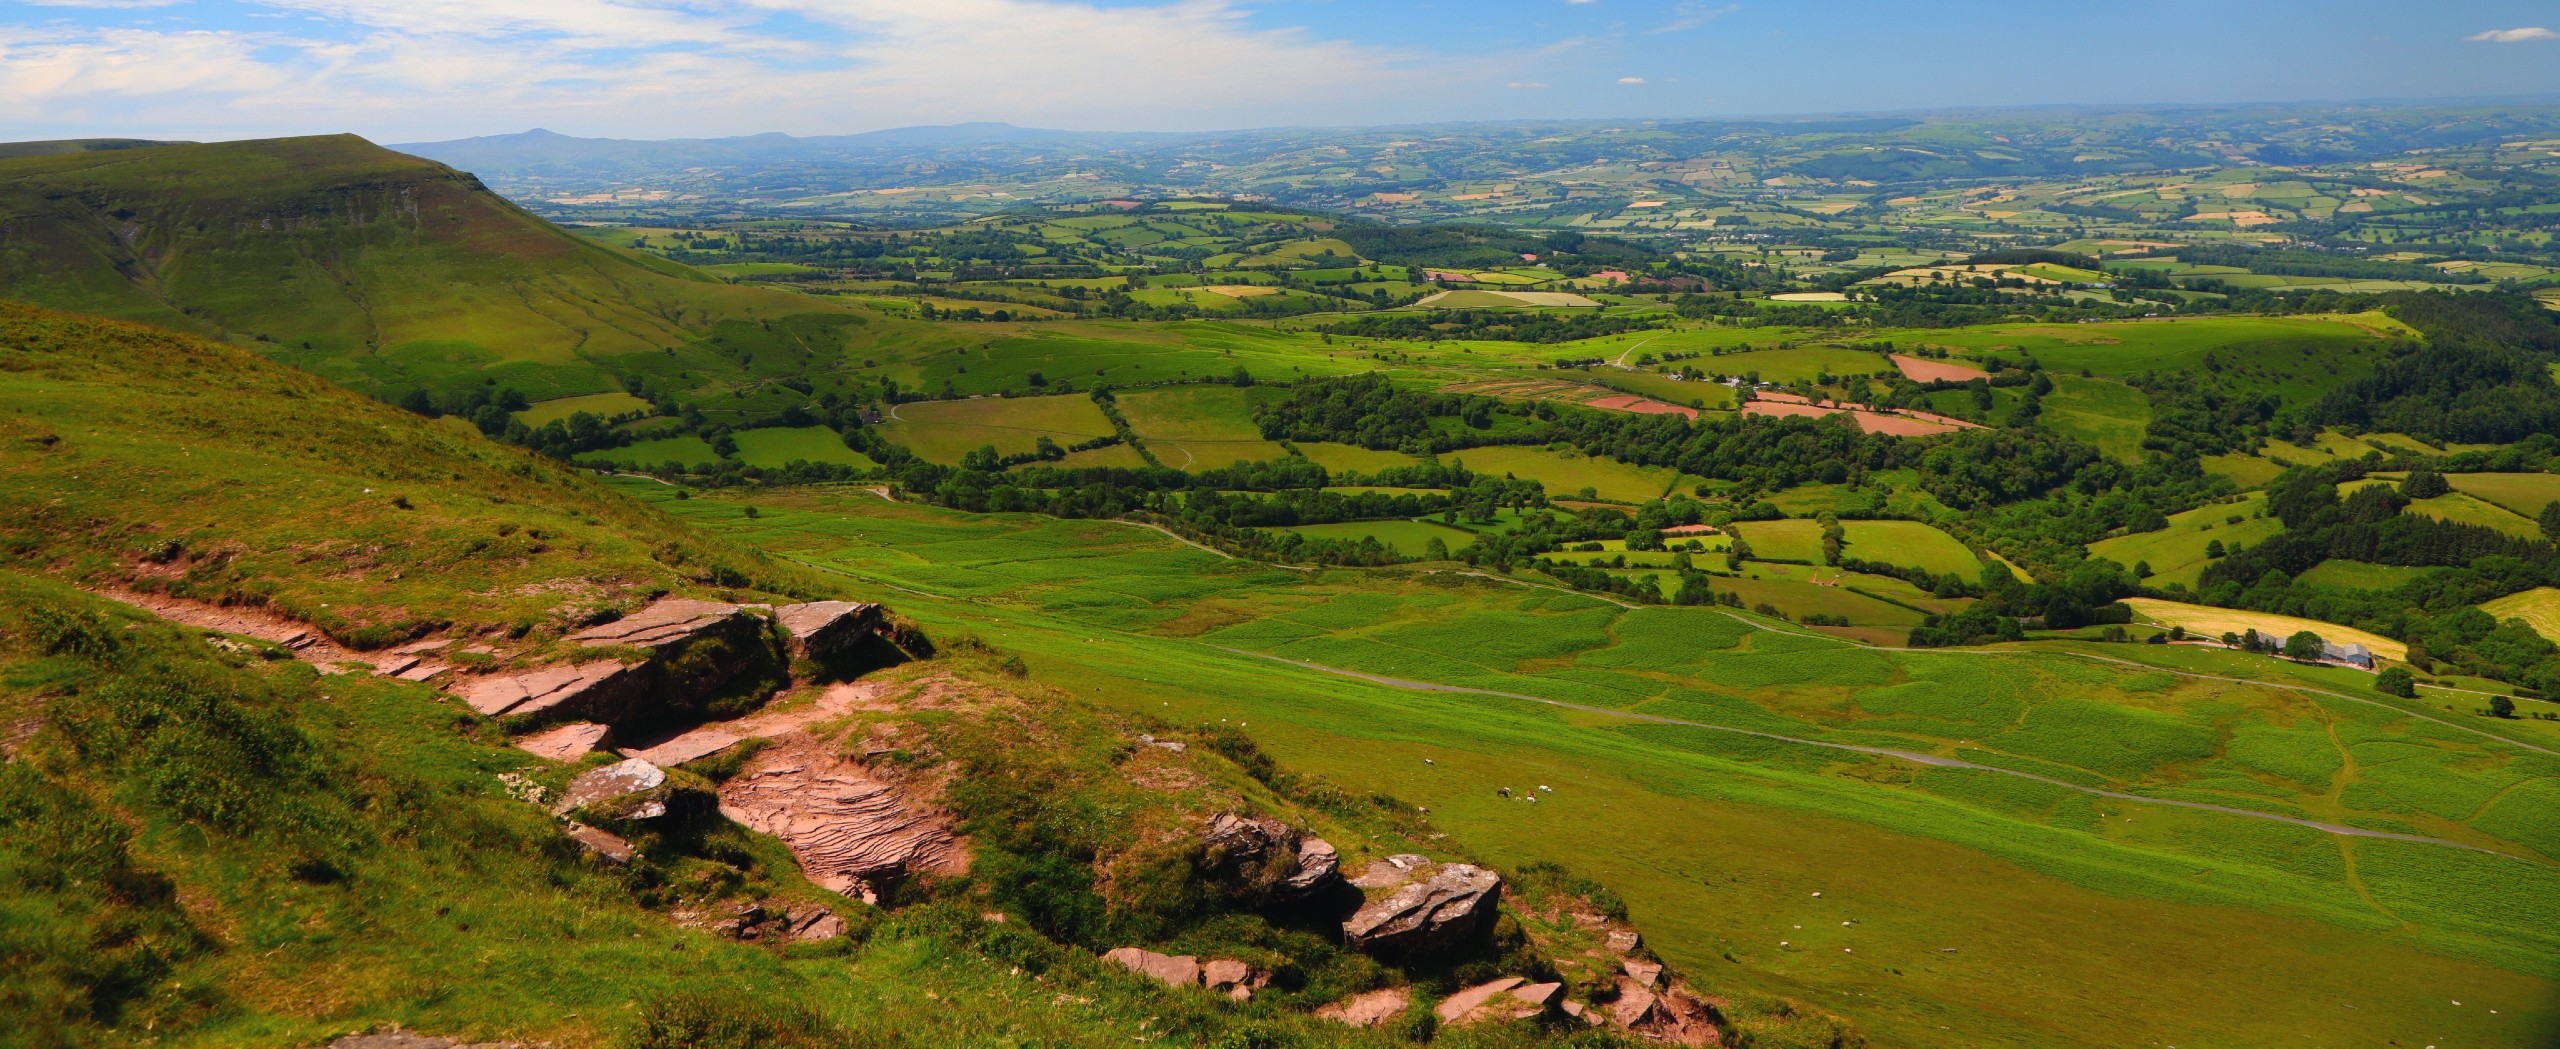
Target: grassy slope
[
  {"x": 1718, "y": 840},
  {"x": 376, "y": 268},
  {"x": 139, "y": 455},
  {"x": 225, "y": 850}
]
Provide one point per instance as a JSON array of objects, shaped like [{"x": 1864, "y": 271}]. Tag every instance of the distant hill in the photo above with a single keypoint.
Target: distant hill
[
  {"x": 14, "y": 150},
  {"x": 381, "y": 270},
  {"x": 545, "y": 153}
]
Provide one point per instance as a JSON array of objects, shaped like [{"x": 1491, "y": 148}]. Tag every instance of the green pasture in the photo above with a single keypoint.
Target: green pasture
[
  {"x": 1340, "y": 457},
  {"x": 600, "y": 405},
  {"x": 2361, "y": 575},
  {"x": 687, "y": 449},
  {"x": 2107, "y": 414},
  {"x": 1718, "y": 841},
  {"x": 943, "y": 431},
  {"x": 2177, "y": 553},
  {"x": 1410, "y": 538},
  {"x": 1565, "y": 473},
  {"x": 775, "y": 445}
]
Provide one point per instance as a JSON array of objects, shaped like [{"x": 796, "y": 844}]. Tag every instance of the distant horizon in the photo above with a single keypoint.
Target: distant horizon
[
  {"x": 2535, "y": 98},
  {"x": 441, "y": 70}
]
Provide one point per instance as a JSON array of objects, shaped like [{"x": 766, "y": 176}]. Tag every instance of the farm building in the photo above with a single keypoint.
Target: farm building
[{"x": 2356, "y": 654}]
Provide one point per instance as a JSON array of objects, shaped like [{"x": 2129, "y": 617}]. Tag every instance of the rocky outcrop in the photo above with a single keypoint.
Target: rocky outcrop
[
  {"x": 1319, "y": 868},
  {"x": 666, "y": 622},
  {"x": 1509, "y": 998},
  {"x": 819, "y": 629},
  {"x": 1233, "y": 978},
  {"x": 1445, "y": 906},
  {"x": 602, "y": 691},
  {"x": 629, "y": 790},
  {"x": 1368, "y": 1010},
  {"x": 569, "y": 742},
  {"x": 1235, "y": 840},
  {"x": 1663, "y": 1014},
  {"x": 691, "y": 746},
  {"x": 848, "y": 830},
  {"x": 1170, "y": 970}
]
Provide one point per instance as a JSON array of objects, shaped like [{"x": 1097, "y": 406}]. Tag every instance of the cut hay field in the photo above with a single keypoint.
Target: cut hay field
[
  {"x": 1567, "y": 473},
  {"x": 2194, "y": 921},
  {"x": 2214, "y": 622},
  {"x": 943, "y": 431},
  {"x": 2176, "y": 554},
  {"x": 2539, "y": 607},
  {"x": 2522, "y": 494}
]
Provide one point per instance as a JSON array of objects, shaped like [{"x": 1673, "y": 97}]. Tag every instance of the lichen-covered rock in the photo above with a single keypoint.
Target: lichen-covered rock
[
  {"x": 1319, "y": 868},
  {"x": 1452, "y": 903},
  {"x": 630, "y": 790}
]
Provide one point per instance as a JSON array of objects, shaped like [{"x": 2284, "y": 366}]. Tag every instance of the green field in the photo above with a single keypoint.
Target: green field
[
  {"x": 2463, "y": 508},
  {"x": 2107, "y": 414},
  {"x": 600, "y": 405},
  {"x": 943, "y": 431},
  {"x": 1920, "y": 860},
  {"x": 2177, "y": 554},
  {"x": 775, "y": 445},
  {"x": 1200, "y": 427},
  {"x": 687, "y": 449},
  {"x": 2360, "y": 575},
  {"x": 1567, "y": 473},
  {"x": 1905, "y": 543},
  {"x": 1409, "y": 538}
]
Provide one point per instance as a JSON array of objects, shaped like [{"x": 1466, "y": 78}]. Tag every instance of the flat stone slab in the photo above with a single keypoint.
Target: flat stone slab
[
  {"x": 1456, "y": 1007},
  {"x": 537, "y": 691},
  {"x": 1367, "y": 1010},
  {"x": 665, "y": 621},
  {"x": 1170, "y": 970},
  {"x": 606, "y": 845},
  {"x": 820, "y": 627},
  {"x": 569, "y": 742},
  {"x": 692, "y": 746}
]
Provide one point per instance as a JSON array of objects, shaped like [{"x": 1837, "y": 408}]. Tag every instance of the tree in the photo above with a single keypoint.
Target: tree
[
  {"x": 2550, "y": 522},
  {"x": 1435, "y": 550},
  {"x": 2213, "y": 548},
  {"x": 2305, "y": 646},
  {"x": 2425, "y": 484},
  {"x": 2501, "y": 707},
  {"x": 2397, "y": 681}
]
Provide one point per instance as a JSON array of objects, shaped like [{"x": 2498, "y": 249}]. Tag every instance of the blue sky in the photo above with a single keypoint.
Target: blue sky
[{"x": 408, "y": 70}]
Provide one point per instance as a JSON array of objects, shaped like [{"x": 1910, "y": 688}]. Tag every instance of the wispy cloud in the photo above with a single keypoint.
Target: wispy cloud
[
  {"x": 1631, "y": 80},
  {"x": 1690, "y": 14},
  {"x": 655, "y": 68},
  {"x": 2514, "y": 36}
]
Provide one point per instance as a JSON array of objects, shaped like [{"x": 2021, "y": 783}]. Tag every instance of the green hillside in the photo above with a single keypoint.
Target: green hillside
[
  {"x": 380, "y": 270},
  {"x": 138, "y": 457}
]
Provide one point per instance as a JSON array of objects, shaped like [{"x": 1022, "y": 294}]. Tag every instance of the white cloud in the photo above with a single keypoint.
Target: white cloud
[
  {"x": 1631, "y": 80},
  {"x": 405, "y": 70},
  {"x": 1526, "y": 85},
  {"x": 2514, "y": 36}
]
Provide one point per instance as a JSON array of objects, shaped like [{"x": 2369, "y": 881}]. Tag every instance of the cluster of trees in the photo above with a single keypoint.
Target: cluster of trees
[
  {"x": 2483, "y": 376},
  {"x": 2436, "y": 613}
]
